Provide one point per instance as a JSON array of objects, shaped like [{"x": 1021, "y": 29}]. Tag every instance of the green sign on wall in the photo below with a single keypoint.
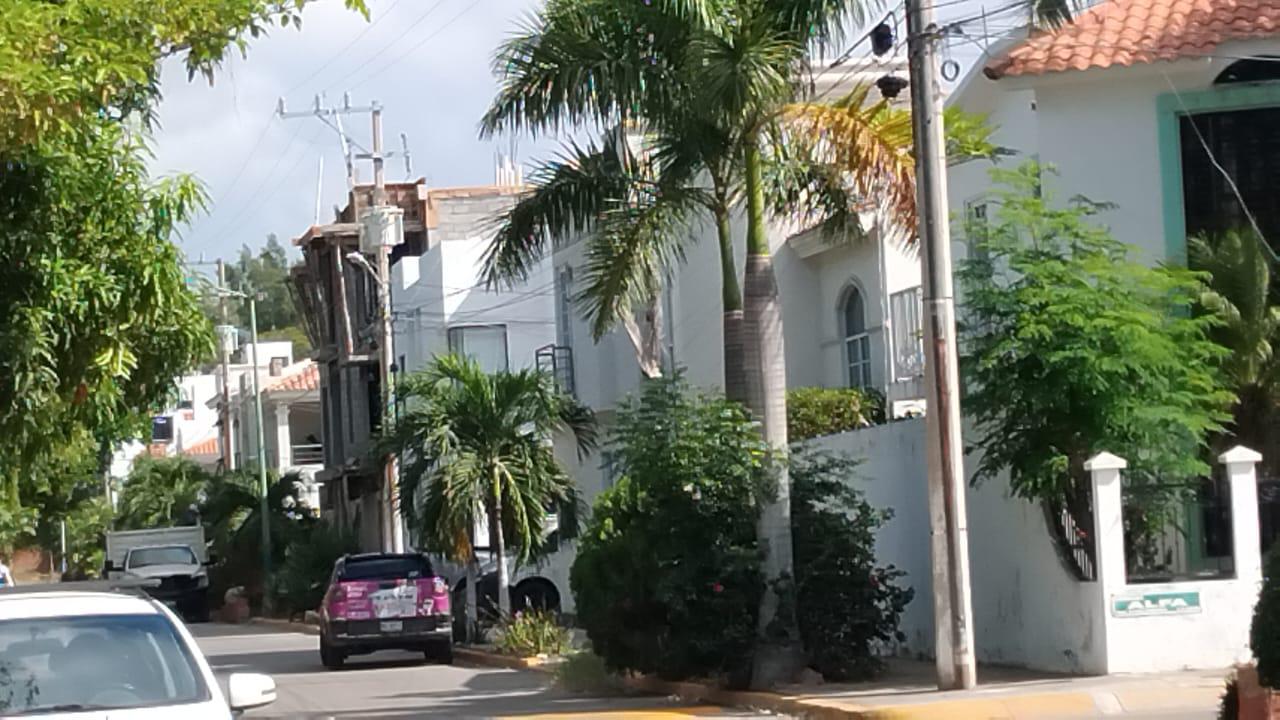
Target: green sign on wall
[{"x": 1160, "y": 603}]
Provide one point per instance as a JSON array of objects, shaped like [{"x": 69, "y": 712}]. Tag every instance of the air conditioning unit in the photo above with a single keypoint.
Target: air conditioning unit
[{"x": 381, "y": 226}]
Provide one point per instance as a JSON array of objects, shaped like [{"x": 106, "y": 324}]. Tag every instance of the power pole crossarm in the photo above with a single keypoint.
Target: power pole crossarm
[{"x": 953, "y": 610}]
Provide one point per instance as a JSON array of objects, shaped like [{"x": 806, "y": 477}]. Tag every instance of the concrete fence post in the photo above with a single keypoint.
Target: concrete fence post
[
  {"x": 1108, "y": 543},
  {"x": 1241, "y": 470}
]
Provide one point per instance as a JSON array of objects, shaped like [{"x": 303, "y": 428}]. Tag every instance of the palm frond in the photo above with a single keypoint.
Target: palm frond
[
  {"x": 630, "y": 252},
  {"x": 870, "y": 143},
  {"x": 568, "y": 194}
]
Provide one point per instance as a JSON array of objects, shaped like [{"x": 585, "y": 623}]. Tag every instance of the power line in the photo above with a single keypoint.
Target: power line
[
  {"x": 368, "y": 28},
  {"x": 253, "y": 196},
  {"x": 398, "y": 38},
  {"x": 420, "y": 43}
]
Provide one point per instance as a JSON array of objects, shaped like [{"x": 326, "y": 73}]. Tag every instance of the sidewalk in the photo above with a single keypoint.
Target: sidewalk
[{"x": 907, "y": 691}]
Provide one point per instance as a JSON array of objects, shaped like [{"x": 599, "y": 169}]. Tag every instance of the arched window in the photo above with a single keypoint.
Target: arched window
[{"x": 857, "y": 343}]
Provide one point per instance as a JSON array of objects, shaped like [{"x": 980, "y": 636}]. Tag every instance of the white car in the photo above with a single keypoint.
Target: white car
[{"x": 82, "y": 650}]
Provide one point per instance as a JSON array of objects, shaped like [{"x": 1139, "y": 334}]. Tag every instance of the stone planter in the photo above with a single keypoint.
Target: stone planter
[{"x": 1256, "y": 702}]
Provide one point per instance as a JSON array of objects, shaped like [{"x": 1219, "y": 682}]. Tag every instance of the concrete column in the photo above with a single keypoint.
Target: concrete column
[
  {"x": 1108, "y": 538},
  {"x": 1241, "y": 467},
  {"x": 1108, "y": 519},
  {"x": 284, "y": 443}
]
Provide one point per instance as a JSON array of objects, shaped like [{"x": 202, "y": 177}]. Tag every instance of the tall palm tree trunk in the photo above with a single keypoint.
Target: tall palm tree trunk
[
  {"x": 499, "y": 544},
  {"x": 778, "y": 656},
  {"x": 473, "y": 614},
  {"x": 735, "y": 378}
]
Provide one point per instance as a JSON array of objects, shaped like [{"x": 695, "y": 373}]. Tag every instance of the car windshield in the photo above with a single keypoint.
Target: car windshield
[
  {"x": 94, "y": 662},
  {"x": 386, "y": 567},
  {"x": 174, "y": 555}
]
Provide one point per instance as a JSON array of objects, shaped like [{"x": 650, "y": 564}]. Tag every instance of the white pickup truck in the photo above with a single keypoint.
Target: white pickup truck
[{"x": 175, "y": 556}]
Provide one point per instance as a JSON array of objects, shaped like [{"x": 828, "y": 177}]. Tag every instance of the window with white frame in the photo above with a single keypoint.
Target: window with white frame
[
  {"x": 906, "y": 311},
  {"x": 857, "y": 342},
  {"x": 977, "y": 220},
  {"x": 486, "y": 344}
]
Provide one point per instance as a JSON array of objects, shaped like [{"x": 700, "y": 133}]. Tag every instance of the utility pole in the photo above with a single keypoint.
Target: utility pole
[
  {"x": 948, "y": 527},
  {"x": 224, "y": 352},
  {"x": 383, "y": 226},
  {"x": 264, "y": 513}
]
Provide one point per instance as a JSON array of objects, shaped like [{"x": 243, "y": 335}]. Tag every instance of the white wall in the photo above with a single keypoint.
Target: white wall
[
  {"x": 1027, "y": 610},
  {"x": 442, "y": 289}
]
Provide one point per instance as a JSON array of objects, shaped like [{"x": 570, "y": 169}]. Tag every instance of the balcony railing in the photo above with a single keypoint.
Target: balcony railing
[{"x": 312, "y": 454}]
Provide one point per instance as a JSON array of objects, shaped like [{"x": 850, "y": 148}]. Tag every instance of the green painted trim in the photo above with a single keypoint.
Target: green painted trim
[{"x": 1169, "y": 108}]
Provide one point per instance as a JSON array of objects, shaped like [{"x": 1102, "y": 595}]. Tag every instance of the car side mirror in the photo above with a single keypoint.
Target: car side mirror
[
  {"x": 110, "y": 566},
  {"x": 246, "y": 691}
]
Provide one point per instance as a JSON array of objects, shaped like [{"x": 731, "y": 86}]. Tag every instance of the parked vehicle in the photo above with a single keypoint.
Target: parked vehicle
[
  {"x": 174, "y": 556},
  {"x": 93, "y": 650},
  {"x": 385, "y": 601}
]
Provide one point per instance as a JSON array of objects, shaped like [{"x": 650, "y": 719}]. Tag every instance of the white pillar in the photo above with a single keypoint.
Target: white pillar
[
  {"x": 1241, "y": 466},
  {"x": 284, "y": 443},
  {"x": 1108, "y": 544}
]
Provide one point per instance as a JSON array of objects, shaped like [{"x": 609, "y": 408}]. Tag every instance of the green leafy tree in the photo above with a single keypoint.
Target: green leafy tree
[
  {"x": 1071, "y": 346},
  {"x": 1240, "y": 294},
  {"x": 477, "y": 445},
  {"x": 267, "y": 273},
  {"x": 668, "y": 578},
  {"x": 118, "y": 44}
]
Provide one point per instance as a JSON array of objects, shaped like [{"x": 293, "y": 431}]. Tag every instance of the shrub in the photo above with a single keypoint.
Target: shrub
[
  {"x": 847, "y": 604},
  {"x": 1264, "y": 634},
  {"x": 584, "y": 672},
  {"x": 532, "y": 632},
  {"x": 667, "y": 577},
  {"x": 813, "y": 411},
  {"x": 308, "y": 563}
]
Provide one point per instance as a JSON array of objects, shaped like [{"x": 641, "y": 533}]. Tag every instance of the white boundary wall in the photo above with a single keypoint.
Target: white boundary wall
[{"x": 1028, "y": 609}]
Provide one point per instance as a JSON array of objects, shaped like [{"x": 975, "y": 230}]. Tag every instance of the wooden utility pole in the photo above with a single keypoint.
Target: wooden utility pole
[
  {"x": 392, "y": 535},
  {"x": 224, "y": 353},
  {"x": 949, "y": 543}
]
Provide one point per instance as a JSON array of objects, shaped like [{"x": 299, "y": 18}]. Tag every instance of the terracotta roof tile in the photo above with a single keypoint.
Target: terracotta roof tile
[
  {"x": 300, "y": 379},
  {"x": 208, "y": 446},
  {"x": 1130, "y": 32}
]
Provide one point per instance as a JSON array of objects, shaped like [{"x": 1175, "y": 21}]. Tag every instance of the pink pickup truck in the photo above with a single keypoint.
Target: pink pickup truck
[{"x": 384, "y": 601}]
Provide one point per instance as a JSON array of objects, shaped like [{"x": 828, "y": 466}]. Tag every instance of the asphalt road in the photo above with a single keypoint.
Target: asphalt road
[{"x": 398, "y": 685}]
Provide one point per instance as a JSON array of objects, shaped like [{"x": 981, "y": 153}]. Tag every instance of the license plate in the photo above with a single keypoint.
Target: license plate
[{"x": 388, "y": 626}]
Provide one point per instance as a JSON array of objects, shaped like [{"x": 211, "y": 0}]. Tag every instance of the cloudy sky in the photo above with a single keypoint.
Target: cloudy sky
[{"x": 426, "y": 61}]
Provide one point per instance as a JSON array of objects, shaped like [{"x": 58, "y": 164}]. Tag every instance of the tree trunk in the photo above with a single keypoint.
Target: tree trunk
[
  {"x": 735, "y": 380},
  {"x": 778, "y": 655},
  {"x": 472, "y": 614},
  {"x": 499, "y": 544}
]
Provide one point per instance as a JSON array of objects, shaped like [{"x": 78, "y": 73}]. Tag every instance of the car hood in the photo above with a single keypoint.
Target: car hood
[{"x": 155, "y": 571}]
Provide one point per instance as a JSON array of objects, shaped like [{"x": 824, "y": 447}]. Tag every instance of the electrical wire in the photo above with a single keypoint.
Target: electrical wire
[
  {"x": 398, "y": 38},
  {"x": 413, "y": 48},
  {"x": 368, "y": 28},
  {"x": 253, "y": 197}
]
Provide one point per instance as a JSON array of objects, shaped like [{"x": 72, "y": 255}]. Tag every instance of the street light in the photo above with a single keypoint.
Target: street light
[{"x": 263, "y": 510}]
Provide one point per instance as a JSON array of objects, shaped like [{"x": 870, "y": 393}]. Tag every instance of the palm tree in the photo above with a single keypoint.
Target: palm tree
[
  {"x": 735, "y": 65},
  {"x": 161, "y": 492},
  {"x": 479, "y": 445},
  {"x": 1240, "y": 292}
]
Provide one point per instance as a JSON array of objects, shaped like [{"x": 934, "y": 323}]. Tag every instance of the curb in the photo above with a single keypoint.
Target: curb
[
  {"x": 286, "y": 625},
  {"x": 489, "y": 659},
  {"x": 1012, "y": 707}
]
